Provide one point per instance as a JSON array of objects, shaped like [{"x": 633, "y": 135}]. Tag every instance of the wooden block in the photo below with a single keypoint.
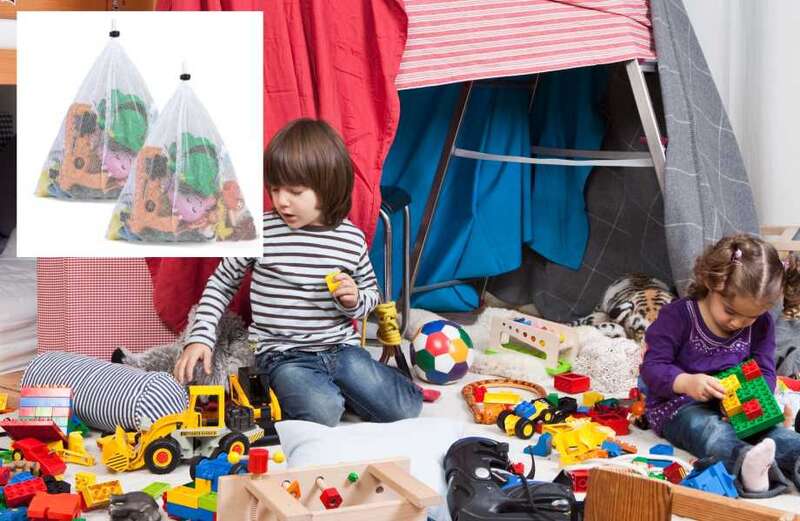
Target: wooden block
[
  {"x": 416, "y": 492},
  {"x": 702, "y": 506},
  {"x": 622, "y": 496}
]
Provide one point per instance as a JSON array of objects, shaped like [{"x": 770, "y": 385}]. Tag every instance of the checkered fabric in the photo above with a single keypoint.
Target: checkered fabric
[{"x": 92, "y": 305}]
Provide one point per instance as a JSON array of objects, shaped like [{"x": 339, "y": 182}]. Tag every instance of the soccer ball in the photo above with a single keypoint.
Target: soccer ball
[{"x": 441, "y": 352}]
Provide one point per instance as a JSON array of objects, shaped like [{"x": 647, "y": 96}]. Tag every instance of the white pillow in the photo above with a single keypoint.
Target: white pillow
[{"x": 423, "y": 440}]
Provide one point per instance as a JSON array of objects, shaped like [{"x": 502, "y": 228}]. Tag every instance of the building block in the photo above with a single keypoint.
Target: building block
[
  {"x": 543, "y": 447},
  {"x": 750, "y": 370},
  {"x": 156, "y": 489},
  {"x": 84, "y": 479},
  {"x": 753, "y": 389},
  {"x": 181, "y": 512},
  {"x": 15, "y": 514},
  {"x": 659, "y": 463},
  {"x": 259, "y": 460},
  {"x": 58, "y": 392},
  {"x": 591, "y": 397},
  {"x": 208, "y": 502},
  {"x": 571, "y": 383},
  {"x": 3, "y": 401},
  {"x": 98, "y": 495},
  {"x": 54, "y": 507},
  {"x": 20, "y": 494},
  {"x": 184, "y": 496},
  {"x": 19, "y": 477},
  {"x": 730, "y": 383},
  {"x": 44, "y": 403},
  {"x": 580, "y": 479},
  {"x": 611, "y": 448},
  {"x": 731, "y": 405},
  {"x": 618, "y": 422},
  {"x": 202, "y": 486},
  {"x": 502, "y": 397},
  {"x": 662, "y": 449},
  {"x": 36, "y": 451},
  {"x": 674, "y": 473},
  {"x": 714, "y": 479},
  {"x": 752, "y": 409}
]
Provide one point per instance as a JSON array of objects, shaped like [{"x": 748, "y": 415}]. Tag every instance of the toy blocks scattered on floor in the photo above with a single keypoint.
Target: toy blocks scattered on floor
[
  {"x": 54, "y": 507},
  {"x": 751, "y": 407},
  {"x": 571, "y": 383},
  {"x": 46, "y": 403},
  {"x": 714, "y": 479}
]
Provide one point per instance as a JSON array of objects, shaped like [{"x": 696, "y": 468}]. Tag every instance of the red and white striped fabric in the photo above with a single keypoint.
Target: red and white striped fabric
[
  {"x": 91, "y": 306},
  {"x": 451, "y": 41}
]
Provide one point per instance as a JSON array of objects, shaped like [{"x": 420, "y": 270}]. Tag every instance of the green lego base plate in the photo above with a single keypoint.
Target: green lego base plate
[
  {"x": 756, "y": 388},
  {"x": 563, "y": 365}
]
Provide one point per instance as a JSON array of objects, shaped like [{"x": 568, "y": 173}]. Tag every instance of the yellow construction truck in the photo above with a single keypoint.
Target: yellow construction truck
[
  {"x": 200, "y": 430},
  {"x": 250, "y": 391}
]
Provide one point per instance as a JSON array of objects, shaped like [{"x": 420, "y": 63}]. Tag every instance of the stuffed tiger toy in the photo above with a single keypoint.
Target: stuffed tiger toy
[{"x": 630, "y": 304}]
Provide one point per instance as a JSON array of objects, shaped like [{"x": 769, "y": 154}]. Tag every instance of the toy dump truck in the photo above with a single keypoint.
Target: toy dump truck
[{"x": 200, "y": 430}]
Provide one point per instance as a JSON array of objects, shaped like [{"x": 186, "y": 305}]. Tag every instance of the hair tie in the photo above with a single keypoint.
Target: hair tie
[{"x": 736, "y": 255}]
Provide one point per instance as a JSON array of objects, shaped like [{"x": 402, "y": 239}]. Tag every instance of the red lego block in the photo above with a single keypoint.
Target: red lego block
[
  {"x": 580, "y": 479},
  {"x": 53, "y": 392},
  {"x": 42, "y": 430},
  {"x": 634, "y": 394},
  {"x": 37, "y": 452},
  {"x": 258, "y": 461},
  {"x": 752, "y": 409},
  {"x": 518, "y": 468},
  {"x": 616, "y": 420},
  {"x": 674, "y": 473},
  {"x": 750, "y": 370},
  {"x": 478, "y": 393},
  {"x": 21, "y": 493},
  {"x": 54, "y": 507},
  {"x": 5, "y": 475},
  {"x": 571, "y": 383}
]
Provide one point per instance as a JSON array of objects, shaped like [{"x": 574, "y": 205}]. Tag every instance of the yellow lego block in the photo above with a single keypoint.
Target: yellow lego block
[
  {"x": 502, "y": 397},
  {"x": 730, "y": 383},
  {"x": 3, "y": 401},
  {"x": 99, "y": 494},
  {"x": 202, "y": 485},
  {"x": 731, "y": 405},
  {"x": 84, "y": 479},
  {"x": 329, "y": 280},
  {"x": 184, "y": 496},
  {"x": 591, "y": 397}
]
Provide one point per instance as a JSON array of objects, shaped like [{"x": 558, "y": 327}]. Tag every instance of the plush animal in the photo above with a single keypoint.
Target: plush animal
[
  {"x": 787, "y": 340},
  {"x": 231, "y": 352},
  {"x": 630, "y": 304}
]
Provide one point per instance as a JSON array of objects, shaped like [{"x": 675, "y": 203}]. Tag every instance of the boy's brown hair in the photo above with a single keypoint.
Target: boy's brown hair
[
  {"x": 309, "y": 152},
  {"x": 748, "y": 266}
]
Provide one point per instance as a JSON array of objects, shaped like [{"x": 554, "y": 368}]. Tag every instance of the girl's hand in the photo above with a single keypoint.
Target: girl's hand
[
  {"x": 192, "y": 353},
  {"x": 347, "y": 292},
  {"x": 701, "y": 387}
]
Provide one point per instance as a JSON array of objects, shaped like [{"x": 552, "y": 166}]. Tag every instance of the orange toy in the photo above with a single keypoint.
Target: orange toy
[
  {"x": 81, "y": 165},
  {"x": 152, "y": 208}
]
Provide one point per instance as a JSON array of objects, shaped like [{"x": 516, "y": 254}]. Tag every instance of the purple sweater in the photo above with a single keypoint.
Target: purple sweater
[{"x": 680, "y": 342}]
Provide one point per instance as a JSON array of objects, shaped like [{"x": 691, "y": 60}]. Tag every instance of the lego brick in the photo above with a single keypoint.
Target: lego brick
[
  {"x": 42, "y": 430},
  {"x": 674, "y": 473},
  {"x": 54, "y": 507},
  {"x": 208, "y": 502},
  {"x": 754, "y": 389},
  {"x": 663, "y": 449},
  {"x": 84, "y": 479},
  {"x": 571, "y": 383},
  {"x": 731, "y": 405},
  {"x": 180, "y": 511},
  {"x": 22, "y": 493},
  {"x": 750, "y": 370},
  {"x": 502, "y": 397},
  {"x": 730, "y": 383},
  {"x": 611, "y": 448},
  {"x": 156, "y": 489},
  {"x": 16, "y": 514},
  {"x": 184, "y": 496},
  {"x": 64, "y": 403},
  {"x": 19, "y": 477},
  {"x": 714, "y": 479},
  {"x": 202, "y": 485},
  {"x": 99, "y": 494},
  {"x": 591, "y": 397},
  {"x": 3, "y": 401},
  {"x": 46, "y": 391},
  {"x": 543, "y": 447}
]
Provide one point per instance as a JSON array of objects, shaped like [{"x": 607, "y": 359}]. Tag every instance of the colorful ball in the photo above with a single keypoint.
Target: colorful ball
[{"x": 441, "y": 352}]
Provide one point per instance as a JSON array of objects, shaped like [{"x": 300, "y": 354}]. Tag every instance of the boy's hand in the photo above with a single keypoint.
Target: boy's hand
[
  {"x": 701, "y": 387},
  {"x": 347, "y": 291},
  {"x": 184, "y": 367}
]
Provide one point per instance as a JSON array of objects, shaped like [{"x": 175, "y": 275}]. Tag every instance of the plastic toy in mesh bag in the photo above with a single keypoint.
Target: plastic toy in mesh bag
[
  {"x": 103, "y": 130},
  {"x": 182, "y": 186}
]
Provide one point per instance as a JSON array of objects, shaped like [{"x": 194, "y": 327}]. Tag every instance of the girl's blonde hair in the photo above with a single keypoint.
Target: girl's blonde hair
[{"x": 748, "y": 266}]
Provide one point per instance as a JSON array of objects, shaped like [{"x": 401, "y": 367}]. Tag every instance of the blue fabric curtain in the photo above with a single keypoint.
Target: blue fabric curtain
[{"x": 488, "y": 210}]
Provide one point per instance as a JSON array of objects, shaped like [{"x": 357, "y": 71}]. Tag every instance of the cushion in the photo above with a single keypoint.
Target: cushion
[{"x": 423, "y": 440}]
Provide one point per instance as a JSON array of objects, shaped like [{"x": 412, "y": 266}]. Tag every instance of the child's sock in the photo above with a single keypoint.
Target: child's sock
[{"x": 756, "y": 464}]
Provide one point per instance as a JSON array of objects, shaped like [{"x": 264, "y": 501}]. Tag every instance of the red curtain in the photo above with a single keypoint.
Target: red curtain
[{"x": 327, "y": 59}]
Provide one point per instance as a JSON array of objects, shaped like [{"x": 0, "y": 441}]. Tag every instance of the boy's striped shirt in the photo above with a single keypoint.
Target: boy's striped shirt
[{"x": 291, "y": 305}]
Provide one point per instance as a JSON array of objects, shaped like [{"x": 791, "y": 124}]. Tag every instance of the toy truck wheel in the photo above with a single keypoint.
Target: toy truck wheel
[
  {"x": 162, "y": 456},
  {"x": 234, "y": 442},
  {"x": 524, "y": 429},
  {"x": 501, "y": 420}
]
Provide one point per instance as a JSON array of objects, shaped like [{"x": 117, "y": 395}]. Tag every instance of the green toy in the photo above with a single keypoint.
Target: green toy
[
  {"x": 754, "y": 397},
  {"x": 128, "y": 127},
  {"x": 200, "y": 164}
]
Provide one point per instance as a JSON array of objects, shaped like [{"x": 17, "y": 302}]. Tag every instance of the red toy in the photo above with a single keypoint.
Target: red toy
[
  {"x": 580, "y": 479},
  {"x": 258, "y": 461},
  {"x": 616, "y": 420},
  {"x": 752, "y": 409},
  {"x": 674, "y": 473},
  {"x": 571, "y": 383},
  {"x": 54, "y": 507},
  {"x": 42, "y": 430},
  {"x": 34, "y": 450},
  {"x": 21, "y": 493},
  {"x": 750, "y": 370}
]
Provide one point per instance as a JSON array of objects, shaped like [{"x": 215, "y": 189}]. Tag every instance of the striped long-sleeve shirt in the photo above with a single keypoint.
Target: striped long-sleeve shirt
[{"x": 291, "y": 305}]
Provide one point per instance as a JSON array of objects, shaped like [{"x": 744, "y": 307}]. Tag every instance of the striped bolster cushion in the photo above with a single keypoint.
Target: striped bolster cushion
[{"x": 106, "y": 395}]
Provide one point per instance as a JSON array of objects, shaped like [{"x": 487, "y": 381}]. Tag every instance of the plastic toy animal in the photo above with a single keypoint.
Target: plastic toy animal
[
  {"x": 117, "y": 163},
  {"x": 134, "y": 506},
  {"x": 192, "y": 207}
]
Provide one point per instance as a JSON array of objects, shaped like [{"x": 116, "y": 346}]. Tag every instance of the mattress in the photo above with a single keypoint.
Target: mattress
[
  {"x": 17, "y": 313},
  {"x": 460, "y": 40}
]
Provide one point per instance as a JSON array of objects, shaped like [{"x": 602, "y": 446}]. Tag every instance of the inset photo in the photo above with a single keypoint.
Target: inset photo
[{"x": 140, "y": 134}]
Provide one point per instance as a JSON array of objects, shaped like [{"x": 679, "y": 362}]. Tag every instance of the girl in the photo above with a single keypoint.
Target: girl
[
  {"x": 302, "y": 333},
  {"x": 723, "y": 321}
]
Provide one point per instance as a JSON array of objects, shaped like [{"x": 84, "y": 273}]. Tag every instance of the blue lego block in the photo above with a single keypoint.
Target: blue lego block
[
  {"x": 204, "y": 515},
  {"x": 35, "y": 401},
  {"x": 15, "y": 514},
  {"x": 543, "y": 447},
  {"x": 611, "y": 448},
  {"x": 714, "y": 479},
  {"x": 582, "y": 409},
  {"x": 662, "y": 449},
  {"x": 20, "y": 477},
  {"x": 182, "y": 512},
  {"x": 524, "y": 410},
  {"x": 212, "y": 469},
  {"x": 662, "y": 464}
]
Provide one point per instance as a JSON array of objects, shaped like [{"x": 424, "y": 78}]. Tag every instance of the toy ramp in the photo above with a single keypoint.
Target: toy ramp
[
  {"x": 103, "y": 130},
  {"x": 182, "y": 186}
]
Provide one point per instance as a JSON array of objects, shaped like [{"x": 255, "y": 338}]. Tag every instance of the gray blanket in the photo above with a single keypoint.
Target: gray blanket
[{"x": 632, "y": 227}]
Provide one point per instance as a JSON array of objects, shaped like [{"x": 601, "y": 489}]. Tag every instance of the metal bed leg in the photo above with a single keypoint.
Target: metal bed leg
[{"x": 648, "y": 117}]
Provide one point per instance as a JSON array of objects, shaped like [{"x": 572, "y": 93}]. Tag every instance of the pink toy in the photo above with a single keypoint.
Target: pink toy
[
  {"x": 118, "y": 163},
  {"x": 191, "y": 207}
]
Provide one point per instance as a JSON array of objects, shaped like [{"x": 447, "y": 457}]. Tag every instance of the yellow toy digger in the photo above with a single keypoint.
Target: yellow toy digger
[
  {"x": 200, "y": 430},
  {"x": 250, "y": 390}
]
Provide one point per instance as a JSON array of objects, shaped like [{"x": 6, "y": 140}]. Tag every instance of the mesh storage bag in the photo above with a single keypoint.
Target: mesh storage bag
[
  {"x": 104, "y": 128},
  {"x": 182, "y": 186}
]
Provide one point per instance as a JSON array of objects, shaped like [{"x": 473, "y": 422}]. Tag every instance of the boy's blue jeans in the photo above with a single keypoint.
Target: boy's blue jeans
[
  {"x": 698, "y": 428},
  {"x": 317, "y": 386}
]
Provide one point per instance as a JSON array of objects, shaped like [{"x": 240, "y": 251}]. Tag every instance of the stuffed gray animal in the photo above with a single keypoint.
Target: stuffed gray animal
[
  {"x": 231, "y": 352},
  {"x": 787, "y": 340}
]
